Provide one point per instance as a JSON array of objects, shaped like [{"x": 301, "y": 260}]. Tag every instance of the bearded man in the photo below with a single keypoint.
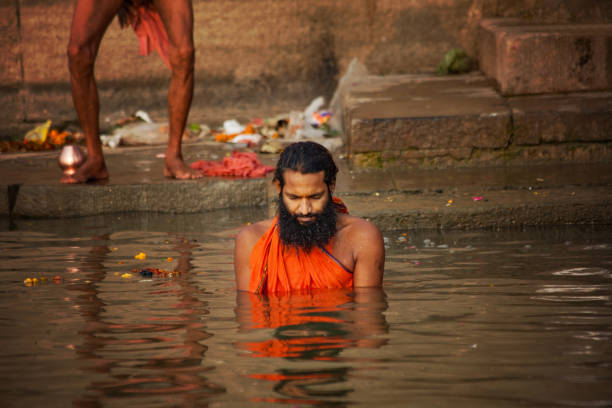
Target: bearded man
[{"x": 313, "y": 242}]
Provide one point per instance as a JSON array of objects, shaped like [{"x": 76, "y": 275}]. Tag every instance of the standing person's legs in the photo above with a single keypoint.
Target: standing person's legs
[
  {"x": 177, "y": 16},
  {"x": 90, "y": 21}
]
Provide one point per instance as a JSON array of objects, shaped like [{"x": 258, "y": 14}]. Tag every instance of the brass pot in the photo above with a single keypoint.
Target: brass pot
[{"x": 70, "y": 159}]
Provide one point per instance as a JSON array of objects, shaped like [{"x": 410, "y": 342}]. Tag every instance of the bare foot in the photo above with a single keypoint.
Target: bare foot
[
  {"x": 176, "y": 168},
  {"x": 87, "y": 172}
]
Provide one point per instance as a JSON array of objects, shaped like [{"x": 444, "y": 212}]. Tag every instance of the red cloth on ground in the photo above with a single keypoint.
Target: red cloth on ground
[
  {"x": 239, "y": 164},
  {"x": 151, "y": 33}
]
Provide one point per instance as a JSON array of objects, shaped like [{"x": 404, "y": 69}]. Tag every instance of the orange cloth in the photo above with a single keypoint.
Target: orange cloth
[
  {"x": 239, "y": 164},
  {"x": 289, "y": 310},
  {"x": 150, "y": 30},
  {"x": 277, "y": 268}
]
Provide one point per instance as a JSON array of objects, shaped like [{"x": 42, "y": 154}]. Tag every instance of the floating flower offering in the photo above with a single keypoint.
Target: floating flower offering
[
  {"x": 41, "y": 280},
  {"x": 156, "y": 272}
]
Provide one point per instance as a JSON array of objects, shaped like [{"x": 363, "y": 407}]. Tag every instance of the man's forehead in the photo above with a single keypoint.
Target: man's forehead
[{"x": 295, "y": 178}]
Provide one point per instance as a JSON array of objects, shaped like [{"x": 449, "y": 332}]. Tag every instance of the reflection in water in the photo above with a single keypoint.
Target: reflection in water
[
  {"x": 478, "y": 319},
  {"x": 141, "y": 348},
  {"x": 312, "y": 325}
]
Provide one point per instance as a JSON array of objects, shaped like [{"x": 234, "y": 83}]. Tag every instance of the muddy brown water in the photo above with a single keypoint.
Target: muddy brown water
[{"x": 472, "y": 319}]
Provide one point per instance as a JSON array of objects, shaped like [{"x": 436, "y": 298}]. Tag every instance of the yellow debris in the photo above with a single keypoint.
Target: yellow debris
[{"x": 38, "y": 134}]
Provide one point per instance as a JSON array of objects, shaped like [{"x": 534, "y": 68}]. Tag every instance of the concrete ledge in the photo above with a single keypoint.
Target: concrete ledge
[
  {"x": 567, "y": 193},
  {"x": 532, "y": 59},
  {"x": 176, "y": 197},
  {"x": 497, "y": 218},
  {"x": 499, "y": 209},
  {"x": 465, "y": 158},
  {"x": 425, "y": 112},
  {"x": 488, "y": 45},
  {"x": 136, "y": 183},
  {"x": 581, "y": 117},
  {"x": 432, "y": 121}
]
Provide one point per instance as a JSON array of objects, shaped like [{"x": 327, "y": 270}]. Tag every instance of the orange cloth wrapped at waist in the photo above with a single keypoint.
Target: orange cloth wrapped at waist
[
  {"x": 147, "y": 25},
  {"x": 278, "y": 268}
]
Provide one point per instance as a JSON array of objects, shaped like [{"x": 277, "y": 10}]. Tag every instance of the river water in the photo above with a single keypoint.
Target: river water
[{"x": 468, "y": 319}]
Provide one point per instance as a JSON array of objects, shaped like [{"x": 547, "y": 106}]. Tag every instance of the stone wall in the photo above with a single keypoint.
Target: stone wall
[{"x": 253, "y": 57}]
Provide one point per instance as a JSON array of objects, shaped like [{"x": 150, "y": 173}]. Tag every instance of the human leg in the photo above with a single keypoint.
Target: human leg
[
  {"x": 90, "y": 21},
  {"x": 177, "y": 16}
]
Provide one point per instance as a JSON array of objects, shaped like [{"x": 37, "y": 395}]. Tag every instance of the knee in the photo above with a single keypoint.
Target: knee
[
  {"x": 81, "y": 58},
  {"x": 182, "y": 59}
]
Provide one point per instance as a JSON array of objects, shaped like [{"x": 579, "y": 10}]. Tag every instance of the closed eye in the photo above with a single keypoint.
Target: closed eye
[{"x": 314, "y": 196}]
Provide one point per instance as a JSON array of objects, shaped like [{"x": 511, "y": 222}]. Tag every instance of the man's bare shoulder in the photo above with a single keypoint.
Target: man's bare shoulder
[
  {"x": 252, "y": 233},
  {"x": 245, "y": 242},
  {"x": 354, "y": 226},
  {"x": 365, "y": 242}
]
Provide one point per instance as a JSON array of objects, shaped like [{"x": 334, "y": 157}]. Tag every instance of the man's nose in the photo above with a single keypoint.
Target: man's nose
[{"x": 305, "y": 207}]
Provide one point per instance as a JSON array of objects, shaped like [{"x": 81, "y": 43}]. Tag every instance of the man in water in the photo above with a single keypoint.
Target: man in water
[
  {"x": 90, "y": 21},
  {"x": 312, "y": 242}
]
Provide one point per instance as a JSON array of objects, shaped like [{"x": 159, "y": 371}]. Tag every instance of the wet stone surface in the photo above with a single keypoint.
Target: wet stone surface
[{"x": 568, "y": 193}]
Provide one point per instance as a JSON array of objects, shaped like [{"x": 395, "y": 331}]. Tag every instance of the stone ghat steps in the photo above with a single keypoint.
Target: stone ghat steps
[
  {"x": 527, "y": 58},
  {"x": 439, "y": 121}
]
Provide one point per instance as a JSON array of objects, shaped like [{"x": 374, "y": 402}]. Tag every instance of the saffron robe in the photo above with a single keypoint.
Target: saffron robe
[
  {"x": 276, "y": 267},
  {"x": 330, "y": 311},
  {"x": 147, "y": 25}
]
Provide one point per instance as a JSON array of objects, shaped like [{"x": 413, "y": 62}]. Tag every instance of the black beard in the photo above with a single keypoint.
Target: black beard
[{"x": 308, "y": 235}]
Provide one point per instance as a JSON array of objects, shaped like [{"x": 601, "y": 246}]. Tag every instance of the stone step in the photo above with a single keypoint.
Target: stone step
[
  {"x": 584, "y": 117},
  {"x": 534, "y": 59},
  {"x": 408, "y": 117},
  {"x": 449, "y": 121}
]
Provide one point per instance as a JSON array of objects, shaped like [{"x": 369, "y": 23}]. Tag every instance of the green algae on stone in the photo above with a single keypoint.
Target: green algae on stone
[{"x": 370, "y": 159}]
